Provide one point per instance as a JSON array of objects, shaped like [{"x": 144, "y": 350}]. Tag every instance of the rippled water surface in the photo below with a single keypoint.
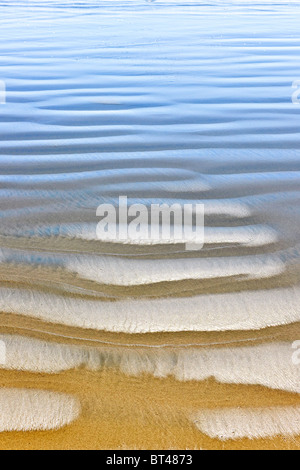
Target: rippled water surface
[{"x": 147, "y": 345}]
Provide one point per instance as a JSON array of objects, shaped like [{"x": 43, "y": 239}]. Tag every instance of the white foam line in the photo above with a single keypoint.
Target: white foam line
[
  {"x": 40, "y": 200},
  {"x": 126, "y": 272},
  {"x": 214, "y": 312},
  {"x": 36, "y": 410},
  {"x": 269, "y": 365},
  {"x": 249, "y": 235},
  {"x": 111, "y": 270},
  {"x": 27, "y": 354},
  {"x": 143, "y": 345},
  {"x": 232, "y": 207},
  {"x": 259, "y": 423}
]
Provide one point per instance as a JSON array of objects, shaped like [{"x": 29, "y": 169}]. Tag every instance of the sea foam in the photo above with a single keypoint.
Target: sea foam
[
  {"x": 244, "y": 310},
  {"x": 36, "y": 410},
  {"x": 252, "y": 423}
]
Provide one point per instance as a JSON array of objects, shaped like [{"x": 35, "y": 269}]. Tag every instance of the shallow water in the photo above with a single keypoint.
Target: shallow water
[{"x": 162, "y": 102}]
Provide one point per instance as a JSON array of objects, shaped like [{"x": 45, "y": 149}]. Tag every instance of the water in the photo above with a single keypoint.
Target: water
[{"x": 162, "y": 102}]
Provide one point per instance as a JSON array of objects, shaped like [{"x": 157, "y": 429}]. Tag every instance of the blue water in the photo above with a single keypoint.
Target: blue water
[{"x": 164, "y": 101}]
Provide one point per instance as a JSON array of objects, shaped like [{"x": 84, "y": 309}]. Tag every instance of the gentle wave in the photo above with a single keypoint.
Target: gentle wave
[
  {"x": 269, "y": 365},
  {"x": 219, "y": 312}
]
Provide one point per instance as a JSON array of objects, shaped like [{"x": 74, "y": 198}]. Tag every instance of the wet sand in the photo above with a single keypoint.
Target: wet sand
[{"x": 119, "y": 412}]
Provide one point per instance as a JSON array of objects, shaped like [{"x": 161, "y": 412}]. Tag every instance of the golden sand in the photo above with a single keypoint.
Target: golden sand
[
  {"x": 140, "y": 412},
  {"x": 122, "y": 412}
]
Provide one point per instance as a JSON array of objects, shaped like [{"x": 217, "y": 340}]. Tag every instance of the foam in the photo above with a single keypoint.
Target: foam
[
  {"x": 254, "y": 423},
  {"x": 213, "y": 312},
  {"x": 42, "y": 198},
  {"x": 127, "y": 272},
  {"x": 248, "y": 235},
  {"x": 36, "y": 410},
  {"x": 26, "y": 354},
  {"x": 269, "y": 365},
  {"x": 40, "y": 202},
  {"x": 120, "y": 271}
]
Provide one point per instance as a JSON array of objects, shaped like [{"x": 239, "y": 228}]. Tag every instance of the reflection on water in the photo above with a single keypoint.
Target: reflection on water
[{"x": 149, "y": 345}]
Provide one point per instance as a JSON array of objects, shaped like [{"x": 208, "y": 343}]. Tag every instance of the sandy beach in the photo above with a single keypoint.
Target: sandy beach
[{"x": 116, "y": 333}]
